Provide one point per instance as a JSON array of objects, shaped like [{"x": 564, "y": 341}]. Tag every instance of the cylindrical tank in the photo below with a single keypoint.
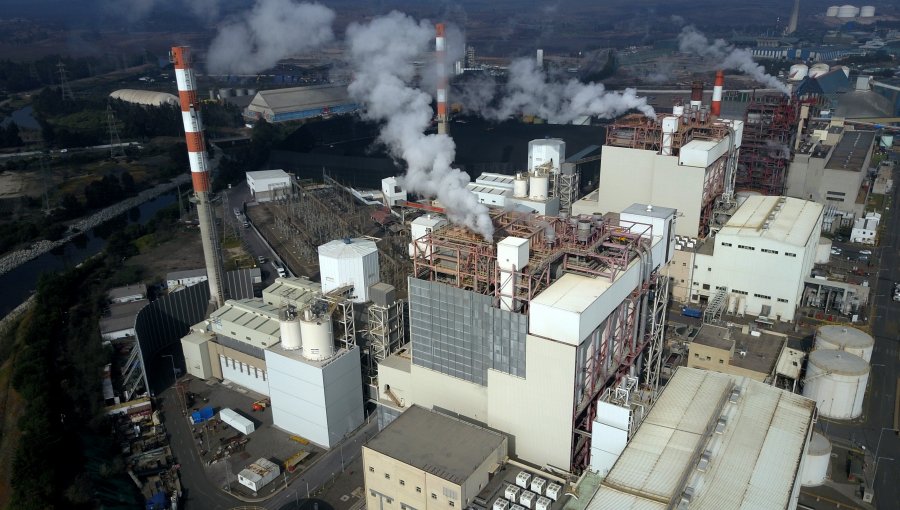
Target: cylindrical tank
[
  {"x": 678, "y": 110},
  {"x": 815, "y": 466},
  {"x": 818, "y": 70},
  {"x": 240, "y": 92},
  {"x": 842, "y": 338},
  {"x": 251, "y": 92},
  {"x": 318, "y": 338},
  {"x": 823, "y": 251},
  {"x": 226, "y": 92},
  {"x": 549, "y": 235},
  {"x": 832, "y": 11},
  {"x": 867, "y": 11},
  {"x": 290, "y": 334},
  {"x": 798, "y": 72},
  {"x": 847, "y": 11},
  {"x": 584, "y": 231},
  {"x": 539, "y": 186},
  {"x": 520, "y": 185},
  {"x": 837, "y": 381}
]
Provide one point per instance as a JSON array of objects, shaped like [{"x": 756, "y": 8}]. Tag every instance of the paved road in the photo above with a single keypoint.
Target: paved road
[{"x": 879, "y": 406}]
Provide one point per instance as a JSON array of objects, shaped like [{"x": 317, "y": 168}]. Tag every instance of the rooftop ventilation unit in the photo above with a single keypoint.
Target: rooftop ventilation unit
[
  {"x": 705, "y": 459},
  {"x": 538, "y": 484},
  {"x": 522, "y": 479},
  {"x": 500, "y": 504},
  {"x": 543, "y": 503},
  {"x": 735, "y": 393},
  {"x": 512, "y": 492},
  {"x": 720, "y": 424},
  {"x": 554, "y": 491}
]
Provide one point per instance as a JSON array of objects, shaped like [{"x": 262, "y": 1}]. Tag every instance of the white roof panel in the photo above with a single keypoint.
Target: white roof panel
[{"x": 793, "y": 223}]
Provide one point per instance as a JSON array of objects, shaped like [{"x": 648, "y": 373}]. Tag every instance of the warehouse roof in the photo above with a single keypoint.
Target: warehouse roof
[
  {"x": 121, "y": 316},
  {"x": 118, "y": 293},
  {"x": 783, "y": 219},
  {"x": 296, "y": 99},
  {"x": 294, "y": 291},
  {"x": 144, "y": 97},
  {"x": 751, "y": 460},
  {"x": 851, "y": 152},
  {"x": 249, "y": 313},
  {"x": 446, "y": 447}
]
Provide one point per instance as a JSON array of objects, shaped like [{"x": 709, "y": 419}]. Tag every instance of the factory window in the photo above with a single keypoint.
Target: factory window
[
  {"x": 782, "y": 300},
  {"x": 746, "y": 247},
  {"x": 768, "y": 251},
  {"x": 761, "y": 296},
  {"x": 705, "y": 286},
  {"x": 719, "y": 287},
  {"x": 684, "y": 264},
  {"x": 789, "y": 254},
  {"x": 372, "y": 493},
  {"x": 708, "y": 358},
  {"x": 721, "y": 362},
  {"x": 743, "y": 292},
  {"x": 387, "y": 475},
  {"x": 709, "y": 269},
  {"x": 836, "y": 193},
  {"x": 371, "y": 469},
  {"x": 433, "y": 496},
  {"x": 233, "y": 333},
  {"x": 695, "y": 283},
  {"x": 696, "y": 355},
  {"x": 682, "y": 281},
  {"x": 726, "y": 244},
  {"x": 419, "y": 490},
  {"x": 834, "y": 199},
  {"x": 452, "y": 503},
  {"x": 402, "y": 482}
]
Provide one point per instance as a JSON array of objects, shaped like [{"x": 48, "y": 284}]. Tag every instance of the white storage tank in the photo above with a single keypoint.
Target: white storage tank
[
  {"x": 520, "y": 185},
  {"x": 815, "y": 466},
  {"x": 289, "y": 325},
  {"x": 512, "y": 492},
  {"x": 349, "y": 262},
  {"x": 837, "y": 381},
  {"x": 823, "y": 251},
  {"x": 867, "y": 11},
  {"x": 523, "y": 478},
  {"x": 818, "y": 70},
  {"x": 318, "y": 337},
  {"x": 798, "y": 72},
  {"x": 847, "y": 11},
  {"x": 545, "y": 150},
  {"x": 842, "y": 338},
  {"x": 539, "y": 186},
  {"x": 832, "y": 11}
]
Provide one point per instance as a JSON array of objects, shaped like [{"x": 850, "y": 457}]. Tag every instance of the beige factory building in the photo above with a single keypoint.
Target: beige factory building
[
  {"x": 755, "y": 355},
  {"x": 425, "y": 460}
]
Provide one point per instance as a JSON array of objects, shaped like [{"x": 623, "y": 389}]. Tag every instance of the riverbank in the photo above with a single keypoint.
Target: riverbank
[{"x": 14, "y": 259}]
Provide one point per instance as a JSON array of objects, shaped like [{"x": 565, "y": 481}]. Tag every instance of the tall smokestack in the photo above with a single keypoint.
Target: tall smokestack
[
  {"x": 539, "y": 59},
  {"x": 196, "y": 146},
  {"x": 716, "y": 107},
  {"x": 440, "y": 53},
  {"x": 696, "y": 95},
  {"x": 795, "y": 15}
]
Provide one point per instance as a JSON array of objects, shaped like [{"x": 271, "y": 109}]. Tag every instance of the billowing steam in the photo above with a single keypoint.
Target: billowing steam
[
  {"x": 273, "y": 30},
  {"x": 778, "y": 150},
  {"x": 690, "y": 40},
  {"x": 528, "y": 91},
  {"x": 381, "y": 54}
]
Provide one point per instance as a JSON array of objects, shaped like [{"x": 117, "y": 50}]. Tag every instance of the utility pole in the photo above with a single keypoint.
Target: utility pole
[
  {"x": 115, "y": 143},
  {"x": 64, "y": 87}
]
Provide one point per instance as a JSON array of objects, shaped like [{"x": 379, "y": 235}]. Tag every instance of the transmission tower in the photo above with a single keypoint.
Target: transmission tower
[
  {"x": 64, "y": 83},
  {"x": 115, "y": 143},
  {"x": 45, "y": 178}
]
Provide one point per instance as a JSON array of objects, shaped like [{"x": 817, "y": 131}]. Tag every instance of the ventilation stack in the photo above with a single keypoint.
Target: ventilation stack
[
  {"x": 196, "y": 146},
  {"x": 696, "y": 95},
  {"x": 716, "y": 107},
  {"x": 440, "y": 51}
]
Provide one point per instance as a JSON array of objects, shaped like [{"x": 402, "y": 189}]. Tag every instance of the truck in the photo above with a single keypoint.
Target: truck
[{"x": 691, "y": 312}]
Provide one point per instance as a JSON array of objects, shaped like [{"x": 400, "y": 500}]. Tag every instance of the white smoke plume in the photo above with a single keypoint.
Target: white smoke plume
[
  {"x": 271, "y": 31},
  {"x": 528, "y": 91},
  {"x": 690, "y": 40},
  {"x": 778, "y": 150},
  {"x": 381, "y": 54}
]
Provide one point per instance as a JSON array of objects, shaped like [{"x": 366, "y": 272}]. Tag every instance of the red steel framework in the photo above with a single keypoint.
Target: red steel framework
[
  {"x": 770, "y": 128},
  {"x": 589, "y": 245}
]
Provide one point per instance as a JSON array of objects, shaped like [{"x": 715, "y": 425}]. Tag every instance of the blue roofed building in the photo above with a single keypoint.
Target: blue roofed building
[{"x": 300, "y": 103}]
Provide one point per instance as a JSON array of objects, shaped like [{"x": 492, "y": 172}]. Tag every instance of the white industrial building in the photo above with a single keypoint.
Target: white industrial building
[
  {"x": 349, "y": 261},
  {"x": 177, "y": 280},
  {"x": 524, "y": 335},
  {"x": 758, "y": 262},
  {"x": 284, "y": 346},
  {"x": 712, "y": 441},
  {"x": 865, "y": 229},
  {"x": 392, "y": 192},
  {"x": 682, "y": 161},
  {"x": 144, "y": 97},
  {"x": 267, "y": 185},
  {"x": 259, "y": 474}
]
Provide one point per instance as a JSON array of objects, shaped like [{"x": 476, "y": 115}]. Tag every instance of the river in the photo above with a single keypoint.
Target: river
[
  {"x": 23, "y": 117},
  {"x": 20, "y": 282}
]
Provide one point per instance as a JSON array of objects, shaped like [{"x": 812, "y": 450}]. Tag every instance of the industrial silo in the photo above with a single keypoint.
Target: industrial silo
[
  {"x": 832, "y": 11},
  {"x": 836, "y": 380},
  {"x": 823, "y": 251},
  {"x": 798, "y": 72},
  {"x": 520, "y": 185},
  {"x": 867, "y": 11},
  {"x": 349, "y": 262},
  {"x": 289, "y": 325},
  {"x": 226, "y": 92},
  {"x": 539, "y": 185},
  {"x": 847, "y": 11},
  {"x": 546, "y": 150},
  {"x": 815, "y": 465},
  {"x": 842, "y": 338},
  {"x": 818, "y": 70},
  {"x": 318, "y": 337}
]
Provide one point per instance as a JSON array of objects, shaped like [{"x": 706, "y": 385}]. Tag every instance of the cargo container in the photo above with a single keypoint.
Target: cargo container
[{"x": 241, "y": 424}]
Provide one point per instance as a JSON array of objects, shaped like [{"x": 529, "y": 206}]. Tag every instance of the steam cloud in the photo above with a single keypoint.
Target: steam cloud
[
  {"x": 690, "y": 40},
  {"x": 381, "y": 54},
  {"x": 273, "y": 30},
  {"x": 529, "y": 92}
]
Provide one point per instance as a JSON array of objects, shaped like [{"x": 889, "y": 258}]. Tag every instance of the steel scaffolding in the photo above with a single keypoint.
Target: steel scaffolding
[{"x": 770, "y": 128}]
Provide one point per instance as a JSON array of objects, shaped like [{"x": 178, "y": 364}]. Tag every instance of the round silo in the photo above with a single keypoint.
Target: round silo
[
  {"x": 842, "y": 338},
  {"x": 798, "y": 72},
  {"x": 847, "y": 11},
  {"x": 520, "y": 185},
  {"x": 349, "y": 262},
  {"x": 539, "y": 185},
  {"x": 836, "y": 380},
  {"x": 867, "y": 11},
  {"x": 318, "y": 337},
  {"x": 832, "y": 11},
  {"x": 226, "y": 92},
  {"x": 815, "y": 466},
  {"x": 290, "y": 333},
  {"x": 818, "y": 70},
  {"x": 823, "y": 251}
]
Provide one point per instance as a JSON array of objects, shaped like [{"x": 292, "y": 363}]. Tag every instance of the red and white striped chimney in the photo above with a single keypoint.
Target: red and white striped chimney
[
  {"x": 440, "y": 53},
  {"x": 196, "y": 146},
  {"x": 716, "y": 108}
]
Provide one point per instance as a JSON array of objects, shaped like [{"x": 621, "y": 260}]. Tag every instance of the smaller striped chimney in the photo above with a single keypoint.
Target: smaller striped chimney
[
  {"x": 716, "y": 107},
  {"x": 440, "y": 52}
]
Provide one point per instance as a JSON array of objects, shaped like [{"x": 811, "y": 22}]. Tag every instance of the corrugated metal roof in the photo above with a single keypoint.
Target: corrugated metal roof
[
  {"x": 144, "y": 97},
  {"x": 249, "y": 313},
  {"x": 792, "y": 224},
  {"x": 754, "y": 460},
  {"x": 299, "y": 98}
]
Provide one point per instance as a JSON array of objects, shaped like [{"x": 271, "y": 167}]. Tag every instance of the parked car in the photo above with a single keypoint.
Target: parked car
[
  {"x": 865, "y": 252},
  {"x": 261, "y": 259}
]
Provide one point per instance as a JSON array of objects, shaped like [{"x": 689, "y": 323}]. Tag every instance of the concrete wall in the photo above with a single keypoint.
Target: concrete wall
[
  {"x": 681, "y": 272},
  {"x": 719, "y": 361},
  {"x": 342, "y": 378},
  {"x": 537, "y": 411},
  {"x": 196, "y": 358},
  {"x": 383, "y": 476},
  {"x": 247, "y": 372},
  {"x": 433, "y": 389}
]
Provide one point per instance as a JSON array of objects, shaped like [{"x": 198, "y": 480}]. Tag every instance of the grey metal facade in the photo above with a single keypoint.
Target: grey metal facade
[{"x": 459, "y": 333}]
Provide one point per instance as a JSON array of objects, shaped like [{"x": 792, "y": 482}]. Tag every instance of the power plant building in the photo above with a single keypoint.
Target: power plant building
[
  {"x": 300, "y": 103},
  {"x": 711, "y": 441},
  {"x": 267, "y": 185},
  {"x": 523, "y": 336}
]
